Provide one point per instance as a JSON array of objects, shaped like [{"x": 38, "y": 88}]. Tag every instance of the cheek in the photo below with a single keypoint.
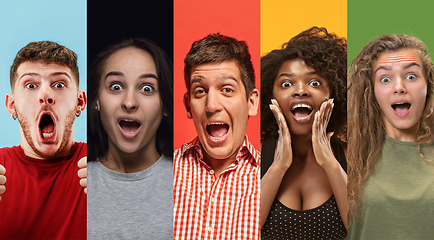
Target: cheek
[{"x": 381, "y": 95}]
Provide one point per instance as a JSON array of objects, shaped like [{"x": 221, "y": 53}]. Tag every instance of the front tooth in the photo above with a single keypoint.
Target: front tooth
[
  {"x": 128, "y": 120},
  {"x": 301, "y": 105},
  {"x": 45, "y": 135},
  {"x": 216, "y": 123}
]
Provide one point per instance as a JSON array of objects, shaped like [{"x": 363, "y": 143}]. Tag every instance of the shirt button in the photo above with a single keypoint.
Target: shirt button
[
  {"x": 211, "y": 172},
  {"x": 209, "y": 229},
  {"x": 213, "y": 200}
]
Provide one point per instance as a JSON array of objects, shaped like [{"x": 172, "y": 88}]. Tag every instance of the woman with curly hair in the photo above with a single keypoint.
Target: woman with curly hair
[
  {"x": 390, "y": 134},
  {"x": 304, "y": 183}
]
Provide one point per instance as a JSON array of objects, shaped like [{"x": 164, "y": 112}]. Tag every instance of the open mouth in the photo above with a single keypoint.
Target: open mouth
[
  {"x": 301, "y": 110},
  {"x": 401, "y": 107},
  {"x": 47, "y": 126},
  {"x": 217, "y": 130},
  {"x": 129, "y": 126}
]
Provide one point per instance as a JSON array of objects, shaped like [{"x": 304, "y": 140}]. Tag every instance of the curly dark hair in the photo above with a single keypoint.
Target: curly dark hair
[{"x": 327, "y": 54}]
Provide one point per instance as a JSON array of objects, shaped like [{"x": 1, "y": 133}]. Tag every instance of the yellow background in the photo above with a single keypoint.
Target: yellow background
[{"x": 283, "y": 19}]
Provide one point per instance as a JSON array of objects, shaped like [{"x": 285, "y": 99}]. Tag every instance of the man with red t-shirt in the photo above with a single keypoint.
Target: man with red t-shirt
[
  {"x": 216, "y": 175},
  {"x": 41, "y": 193}
]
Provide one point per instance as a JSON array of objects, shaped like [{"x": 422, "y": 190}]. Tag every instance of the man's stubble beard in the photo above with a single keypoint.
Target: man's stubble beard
[{"x": 69, "y": 121}]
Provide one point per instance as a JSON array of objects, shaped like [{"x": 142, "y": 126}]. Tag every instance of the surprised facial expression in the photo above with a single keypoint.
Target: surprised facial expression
[
  {"x": 45, "y": 99},
  {"x": 219, "y": 108}
]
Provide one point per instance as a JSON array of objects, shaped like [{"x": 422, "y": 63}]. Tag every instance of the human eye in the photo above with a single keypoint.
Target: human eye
[
  {"x": 314, "y": 83},
  {"x": 286, "y": 84},
  {"x": 385, "y": 79},
  {"x": 411, "y": 77},
  {"x": 59, "y": 85},
  {"x": 227, "y": 90},
  {"x": 147, "y": 89},
  {"x": 30, "y": 85},
  {"x": 199, "y": 92},
  {"x": 115, "y": 87}
]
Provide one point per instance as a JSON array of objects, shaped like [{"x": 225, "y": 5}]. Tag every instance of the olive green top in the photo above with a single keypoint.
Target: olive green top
[{"x": 398, "y": 198}]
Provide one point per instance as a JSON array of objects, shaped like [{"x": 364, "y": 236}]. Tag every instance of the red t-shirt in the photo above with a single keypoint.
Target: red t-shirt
[{"x": 43, "y": 198}]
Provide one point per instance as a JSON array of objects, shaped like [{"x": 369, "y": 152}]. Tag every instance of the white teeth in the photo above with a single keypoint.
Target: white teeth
[
  {"x": 401, "y": 103},
  {"x": 216, "y": 123},
  {"x": 47, "y": 135},
  {"x": 302, "y": 105},
  {"x": 127, "y": 120}
]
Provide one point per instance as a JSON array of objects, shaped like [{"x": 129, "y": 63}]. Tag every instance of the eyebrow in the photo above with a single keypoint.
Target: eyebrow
[
  {"x": 52, "y": 74},
  {"x": 389, "y": 68},
  {"x": 292, "y": 74},
  {"x": 120, "y": 74}
]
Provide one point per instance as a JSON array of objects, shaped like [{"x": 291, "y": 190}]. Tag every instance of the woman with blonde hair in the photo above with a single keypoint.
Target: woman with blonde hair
[{"x": 390, "y": 134}]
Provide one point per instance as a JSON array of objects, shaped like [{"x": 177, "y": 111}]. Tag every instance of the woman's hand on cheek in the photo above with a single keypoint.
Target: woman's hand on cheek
[
  {"x": 283, "y": 153},
  {"x": 320, "y": 139}
]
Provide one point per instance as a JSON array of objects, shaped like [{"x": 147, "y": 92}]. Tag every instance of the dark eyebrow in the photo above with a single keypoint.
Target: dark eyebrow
[
  {"x": 149, "y": 75},
  {"x": 29, "y": 74},
  {"x": 291, "y": 74},
  {"x": 114, "y": 74},
  {"x": 411, "y": 64}
]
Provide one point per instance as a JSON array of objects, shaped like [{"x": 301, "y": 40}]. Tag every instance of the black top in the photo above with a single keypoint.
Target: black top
[{"x": 323, "y": 222}]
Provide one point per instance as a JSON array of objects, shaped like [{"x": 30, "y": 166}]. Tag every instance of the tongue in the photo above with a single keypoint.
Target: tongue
[
  {"x": 47, "y": 127},
  {"x": 401, "y": 108},
  {"x": 301, "y": 112},
  {"x": 217, "y": 130},
  {"x": 129, "y": 127}
]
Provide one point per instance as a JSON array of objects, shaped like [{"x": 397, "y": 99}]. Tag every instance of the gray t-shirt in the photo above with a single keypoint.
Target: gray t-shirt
[{"x": 130, "y": 205}]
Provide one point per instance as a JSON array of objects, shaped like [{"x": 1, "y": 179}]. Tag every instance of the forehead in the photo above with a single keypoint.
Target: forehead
[
  {"x": 43, "y": 69},
  {"x": 388, "y": 60},
  {"x": 295, "y": 65},
  {"x": 216, "y": 71},
  {"x": 130, "y": 58}
]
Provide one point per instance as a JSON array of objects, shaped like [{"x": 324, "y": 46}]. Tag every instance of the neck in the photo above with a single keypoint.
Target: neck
[
  {"x": 219, "y": 165},
  {"x": 301, "y": 146},
  {"x": 405, "y": 135},
  {"x": 120, "y": 161}
]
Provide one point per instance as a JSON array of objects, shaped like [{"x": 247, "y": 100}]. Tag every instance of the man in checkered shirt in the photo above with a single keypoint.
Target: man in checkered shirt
[{"x": 216, "y": 175}]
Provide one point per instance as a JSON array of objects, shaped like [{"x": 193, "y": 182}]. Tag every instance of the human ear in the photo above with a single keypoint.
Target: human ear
[
  {"x": 10, "y": 104},
  {"x": 82, "y": 101},
  {"x": 187, "y": 105},
  {"x": 253, "y": 102}
]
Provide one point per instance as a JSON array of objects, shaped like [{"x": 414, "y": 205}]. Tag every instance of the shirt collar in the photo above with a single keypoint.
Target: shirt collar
[{"x": 247, "y": 151}]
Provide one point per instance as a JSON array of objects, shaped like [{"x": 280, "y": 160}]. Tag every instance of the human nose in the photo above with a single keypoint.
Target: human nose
[
  {"x": 399, "y": 87},
  {"x": 213, "y": 102},
  {"x": 300, "y": 89},
  {"x": 45, "y": 95},
  {"x": 129, "y": 102}
]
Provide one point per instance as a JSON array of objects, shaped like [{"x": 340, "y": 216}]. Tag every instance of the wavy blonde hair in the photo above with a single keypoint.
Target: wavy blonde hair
[{"x": 365, "y": 124}]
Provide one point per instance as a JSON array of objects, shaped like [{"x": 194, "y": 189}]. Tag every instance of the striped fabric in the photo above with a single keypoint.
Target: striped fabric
[{"x": 226, "y": 207}]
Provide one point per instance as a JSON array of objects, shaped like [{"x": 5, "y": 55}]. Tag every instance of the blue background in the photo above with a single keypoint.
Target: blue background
[{"x": 26, "y": 21}]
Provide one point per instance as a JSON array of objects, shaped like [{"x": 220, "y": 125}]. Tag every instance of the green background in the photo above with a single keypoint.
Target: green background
[{"x": 369, "y": 19}]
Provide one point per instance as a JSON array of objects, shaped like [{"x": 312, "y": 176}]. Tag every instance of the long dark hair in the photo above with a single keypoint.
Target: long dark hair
[{"x": 97, "y": 136}]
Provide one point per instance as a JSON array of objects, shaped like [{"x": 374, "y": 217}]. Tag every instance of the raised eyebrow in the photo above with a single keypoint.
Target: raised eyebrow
[
  {"x": 411, "y": 64},
  {"x": 148, "y": 75},
  {"x": 113, "y": 73},
  {"x": 285, "y": 75},
  {"x": 382, "y": 68},
  {"x": 29, "y": 74}
]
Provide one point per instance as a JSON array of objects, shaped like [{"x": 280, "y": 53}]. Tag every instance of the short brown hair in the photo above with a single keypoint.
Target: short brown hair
[
  {"x": 217, "y": 48},
  {"x": 46, "y": 51}
]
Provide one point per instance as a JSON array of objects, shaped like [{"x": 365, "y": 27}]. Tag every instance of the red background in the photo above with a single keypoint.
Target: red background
[{"x": 193, "y": 21}]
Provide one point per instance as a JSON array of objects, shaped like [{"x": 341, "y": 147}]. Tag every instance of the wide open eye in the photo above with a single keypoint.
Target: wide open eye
[
  {"x": 314, "y": 83},
  {"x": 385, "y": 79},
  {"x": 411, "y": 77},
  {"x": 147, "y": 89},
  {"x": 59, "y": 85},
  {"x": 30, "y": 85},
  {"x": 116, "y": 87},
  {"x": 286, "y": 84}
]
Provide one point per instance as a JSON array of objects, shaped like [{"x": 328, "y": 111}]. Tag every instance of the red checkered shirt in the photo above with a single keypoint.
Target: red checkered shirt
[{"x": 226, "y": 207}]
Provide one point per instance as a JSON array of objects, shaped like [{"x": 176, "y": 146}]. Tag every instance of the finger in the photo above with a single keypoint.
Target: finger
[
  {"x": 82, "y": 173},
  {"x": 85, "y": 190},
  {"x": 82, "y": 163},
  {"x": 278, "y": 115},
  {"x": 83, "y": 182},
  {"x": 2, "y": 170},
  {"x": 2, "y": 179},
  {"x": 2, "y": 189},
  {"x": 329, "y": 135}
]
